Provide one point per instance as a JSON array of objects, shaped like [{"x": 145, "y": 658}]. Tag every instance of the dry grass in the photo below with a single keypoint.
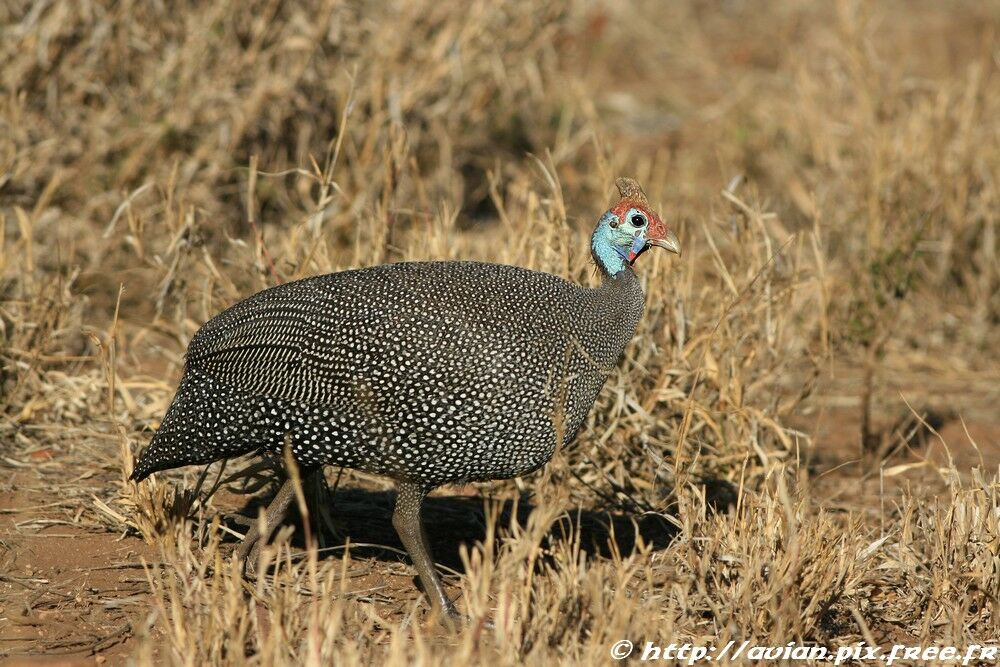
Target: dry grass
[{"x": 832, "y": 170}]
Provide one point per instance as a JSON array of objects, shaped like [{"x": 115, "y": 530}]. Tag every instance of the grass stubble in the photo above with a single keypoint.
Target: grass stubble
[{"x": 832, "y": 172}]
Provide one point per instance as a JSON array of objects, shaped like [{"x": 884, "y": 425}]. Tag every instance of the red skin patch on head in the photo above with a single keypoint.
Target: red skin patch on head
[{"x": 655, "y": 228}]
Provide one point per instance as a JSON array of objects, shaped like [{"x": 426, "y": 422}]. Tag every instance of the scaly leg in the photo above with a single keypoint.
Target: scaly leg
[
  {"x": 407, "y": 522},
  {"x": 273, "y": 516},
  {"x": 319, "y": 500}
]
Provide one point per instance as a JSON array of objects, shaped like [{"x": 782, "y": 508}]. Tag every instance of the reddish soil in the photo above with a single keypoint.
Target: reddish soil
[{"x": 67, "y": 596}]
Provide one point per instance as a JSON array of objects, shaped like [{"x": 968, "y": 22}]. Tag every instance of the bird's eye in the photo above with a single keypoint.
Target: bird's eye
[{"x": 638, "y": 220}]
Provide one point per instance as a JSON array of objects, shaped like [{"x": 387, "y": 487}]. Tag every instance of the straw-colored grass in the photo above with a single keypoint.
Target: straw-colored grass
[{"x": 768, "y": 463}]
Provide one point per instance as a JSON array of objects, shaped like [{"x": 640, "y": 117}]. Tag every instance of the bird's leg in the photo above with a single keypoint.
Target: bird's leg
[
  {"x": 319, "y": 500},
  {"x": 273, "y": 516},
  {"x": 407, "y": 522}
]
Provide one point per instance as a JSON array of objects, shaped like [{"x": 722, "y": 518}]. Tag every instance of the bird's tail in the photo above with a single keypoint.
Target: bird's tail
[{"x": 206, "y": 421}]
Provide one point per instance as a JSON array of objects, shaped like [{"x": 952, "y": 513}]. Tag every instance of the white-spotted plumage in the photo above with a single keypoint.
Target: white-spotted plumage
[{"x": 429, "y": 372}]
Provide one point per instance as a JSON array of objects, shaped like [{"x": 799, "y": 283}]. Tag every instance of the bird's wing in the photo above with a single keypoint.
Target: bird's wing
[{"x": 329, "y": 341}]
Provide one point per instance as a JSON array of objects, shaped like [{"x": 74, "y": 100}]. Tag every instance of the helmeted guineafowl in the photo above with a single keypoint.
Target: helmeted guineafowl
[{"x": 427, "y": 372}]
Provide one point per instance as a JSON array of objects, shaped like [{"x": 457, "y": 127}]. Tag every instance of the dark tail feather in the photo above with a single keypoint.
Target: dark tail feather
[{"x": 206, "y": 421}]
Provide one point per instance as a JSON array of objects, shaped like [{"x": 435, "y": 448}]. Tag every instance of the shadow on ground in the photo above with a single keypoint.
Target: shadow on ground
[{"x": 365, "y": 518}]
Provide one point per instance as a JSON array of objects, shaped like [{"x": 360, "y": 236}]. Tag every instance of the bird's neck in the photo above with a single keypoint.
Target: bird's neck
[
  {"x": 619, "y": 302},
  {"x": 622, "y": 289},
  {"x": 609, "y": 257},
  {"x": 619, "y": 285}
]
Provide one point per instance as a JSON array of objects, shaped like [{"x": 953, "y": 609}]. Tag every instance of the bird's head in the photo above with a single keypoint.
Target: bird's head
[{"x": 628, "y": 229}]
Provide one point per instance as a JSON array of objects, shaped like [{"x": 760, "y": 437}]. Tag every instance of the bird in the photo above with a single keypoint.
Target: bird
[{"x": 428, "y": 373}]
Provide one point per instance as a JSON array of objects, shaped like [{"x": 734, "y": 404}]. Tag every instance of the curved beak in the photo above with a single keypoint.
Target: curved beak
[{"x": 668, "y": 242}]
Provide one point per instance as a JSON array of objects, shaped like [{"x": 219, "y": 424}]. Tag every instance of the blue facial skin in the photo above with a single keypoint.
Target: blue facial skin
[
  {"x": 613, "y": 245},
  {"x": 638, "y": 244}
]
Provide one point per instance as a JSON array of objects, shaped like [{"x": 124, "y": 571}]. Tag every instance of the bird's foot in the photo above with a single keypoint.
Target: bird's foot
[{"x": 453, "y": 621}]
